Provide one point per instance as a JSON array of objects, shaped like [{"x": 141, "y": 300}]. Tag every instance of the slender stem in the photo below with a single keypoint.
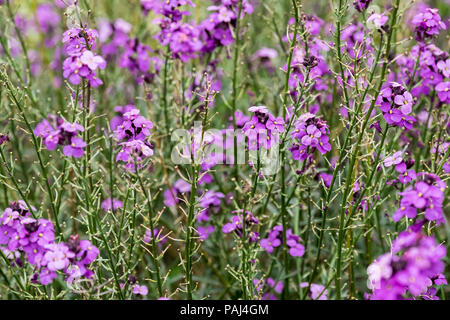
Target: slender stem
[
  {"x": 235, "y": 89},
  {"x": 151, "y": 213},
  {"x": 36, "y": 148},
  {"x": 164, "y": 97},
  {"x": 189, "y": 230},
  {"x": 283, "y": 212},
  {"x": 348, "y": 184}
]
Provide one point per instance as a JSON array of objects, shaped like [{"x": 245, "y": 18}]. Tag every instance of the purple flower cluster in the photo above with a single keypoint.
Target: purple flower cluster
[
  {"x": 236, "y": 225},
  {"x": 82, "y": 63},
  {"x": 378, "y": 20},
  {"x": 433, "y": 70},
  {"x": 410, "y": 270},
  {"x": 361, "y": 5},
  {"x": 137, "y": 60},
  {"x": 427, "y": 24},
  {"x": 133, "y": 54},
  {"x": 140, "y": 290},
  {"x": 315, "y": 64},
  {"x": 210, "y": 203},
  {"x": 113, "y": 35},
  {"x": 187, "y": 40},
  {"x": 34, "y": 239},
  {"x": 403, "y": 167},
  {"x": 134, "y": 131},
  {"x": 182, "y": 38},
  {"x": 396, "y": 104},
  {"x": 310, "y": 133},
  {"x": 56, "y": 131},
  {"x": 427, "y": 196},
  {"x": 263, "y": 128},
  {"x": 216, "y": 29},
  {"x": 274, "y": 239},
  {"x": 48, "y": 20}
]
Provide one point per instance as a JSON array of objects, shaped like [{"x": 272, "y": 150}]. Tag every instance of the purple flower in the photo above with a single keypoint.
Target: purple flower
[
  {"x": 361, "y": 5},
  {"x": 378, "y": 19},
  {"x": 81, "y": 62},
  {"x": 316, "y": 291},
  {"x": 425, "y": 196},
  {"x": 75, "y": 148},
  {"x": 274, "y": 239},
  {"x": 444, "y": 67},
  {"x": 405, "y": 101},
  {"x": 396, "y": 104},
  {"x": 275, "y": 124},
  {"x": 427, "y": 24},
  {"x": 57, "y": 256},
  {"x": 205, "y": 231},
  {"x": 47, "y": 276},
  {"x": 236, "y": 225},
  {"x": 326, "y": 178},
  {"x": 137, "y": 60},
  {"x": 92, "y": 61},
  {"x": 111, "y": 203},
  {"x": 159, "y": 237},
  {"x": 270, "y": 243},
  {"x": 59, "y": 132},
  {"x": 310, "y": 133},
  {"x": 4, "y": 138},
  {"x": 135, "y": 130},
  {"x": 395, "y": 159},
  {"x": 409, "y": 270},
  {"x": 443, "y": 91},
  {"x": 140, "y": 290}
]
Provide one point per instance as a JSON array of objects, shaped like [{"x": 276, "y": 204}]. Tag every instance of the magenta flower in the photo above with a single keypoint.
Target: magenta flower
[
  {"x": 427, "y": 24},
  {"x": 444, "y": 67},
  {"x": 311, "y": 136},
  {"x": 92, "y": 61},
  {"x": 405, "y": 101},
  {"x": 75, "y": 148},
  {"x": 396, "y": 104},
  {"x": 111, "y": 204},
  {"x": 47, "y": 276},
  {"x": 205, "y": 231},
  {"x": 361, "y": 5},
  {"x": 426, "y": 196},
  {"x": 395, "y": 159},
  {"x": 412, "y": 268},
  {"x": 443, "y": 91},
  {"x": 317, "y": 291},
  {"x": 87, "y": 252},
  {"x": 140, "y": 290},
  {"x": 270, "y": 243},
  {"x": 57, "y": 257},
  {"x": 160, "y": 239},
  {"x": 378, "y": 19},
  {"x": 310, "y": 133}
]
